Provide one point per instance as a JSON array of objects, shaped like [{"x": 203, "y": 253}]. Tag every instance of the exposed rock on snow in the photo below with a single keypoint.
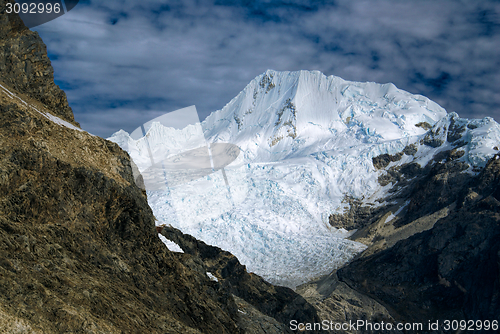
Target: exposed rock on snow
[{"x": 306, "y": 143}]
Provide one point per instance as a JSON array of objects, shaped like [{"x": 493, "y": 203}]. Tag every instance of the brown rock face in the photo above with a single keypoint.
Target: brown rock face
[
  {"x": 79, "y": 251},
  {"x": 78, "y": 247},
  {"x": 280, "y": 303},
  {"x": 25, "y": 67},
  {"x": 449, "y": 271},
  {"x": 433, "y": 252}
]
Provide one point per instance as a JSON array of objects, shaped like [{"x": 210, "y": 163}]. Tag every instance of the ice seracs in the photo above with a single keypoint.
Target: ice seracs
[
  {"x": 285, "y": 114},
  {"x": 306, "y": 142}
]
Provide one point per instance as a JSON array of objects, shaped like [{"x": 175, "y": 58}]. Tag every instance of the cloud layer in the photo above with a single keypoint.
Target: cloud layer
[{"x": 125, "y": 62}]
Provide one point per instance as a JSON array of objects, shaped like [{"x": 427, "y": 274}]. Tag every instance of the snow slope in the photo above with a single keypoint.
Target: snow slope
[
  {"x": 46, "y": 114},
  {"x": 306, "y": 141}
]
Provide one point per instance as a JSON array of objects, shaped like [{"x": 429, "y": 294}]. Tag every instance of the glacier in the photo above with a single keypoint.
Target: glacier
[{"x": 305, "y": 143}]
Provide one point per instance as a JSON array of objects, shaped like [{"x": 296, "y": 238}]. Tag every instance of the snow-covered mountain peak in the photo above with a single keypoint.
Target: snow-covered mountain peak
[
  {"x": 286, "y": 113},
  {"x": 305, "y": 143},
  {"x": 478, "y": 139}
]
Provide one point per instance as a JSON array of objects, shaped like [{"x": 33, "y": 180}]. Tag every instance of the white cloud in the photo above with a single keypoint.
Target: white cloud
[{"x": 158, "y": 59}]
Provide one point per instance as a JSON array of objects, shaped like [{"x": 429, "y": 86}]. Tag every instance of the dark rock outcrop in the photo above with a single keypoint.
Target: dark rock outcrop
[
  {"x": 424, "y": 125},
  {"x": 438, "y": 259},
  {"x": 433, "y": 187},
  {"x": 353, "y": 217},
  {"x": 25, "y": 66},
  {"x": 451, "y": 271},
  {"x": 429, "y": 188},
  {"x": 78, "y": 248},
  {"x": 339, "y": 304},
  {"x": 280, "y": 303},
  {"x": 432, "y": 249},
  {"x": 384, "y": 160}
]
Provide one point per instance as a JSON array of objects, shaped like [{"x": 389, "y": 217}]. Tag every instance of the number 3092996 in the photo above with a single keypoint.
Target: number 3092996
[{"x": 33, "y": 8}]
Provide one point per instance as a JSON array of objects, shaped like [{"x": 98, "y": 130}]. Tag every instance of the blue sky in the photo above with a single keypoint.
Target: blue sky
[{"x": 122, "y": 63}]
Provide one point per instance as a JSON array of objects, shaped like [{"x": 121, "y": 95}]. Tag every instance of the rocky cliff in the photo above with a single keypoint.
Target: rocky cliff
[
  {"x": 78, "y": 246},
  {"x": 432, "y": 256},
  {"x": 450, "y": 270},
  {"x": 277, "y": 302},
  {"x": 25, "y": 66},
  {"x": 79, "y": 251}
]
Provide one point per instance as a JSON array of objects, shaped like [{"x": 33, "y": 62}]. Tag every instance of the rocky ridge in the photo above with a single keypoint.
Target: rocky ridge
[
  {"x": 278, "y": 302},
  {"x": 78, "y": 247},
  {"x": 449, "y": 269},
  {"x": 433, "y": 250},
  {"x": 25, "y": 66},
  {"x": 79, "y": 250}
]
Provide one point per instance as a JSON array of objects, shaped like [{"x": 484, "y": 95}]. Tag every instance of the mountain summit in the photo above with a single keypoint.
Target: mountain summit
[
  {"x": 287, "y": 114},
  {"x": 312, "y": 148}
]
